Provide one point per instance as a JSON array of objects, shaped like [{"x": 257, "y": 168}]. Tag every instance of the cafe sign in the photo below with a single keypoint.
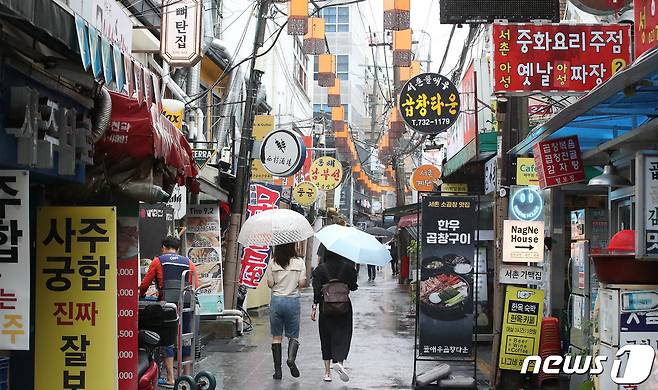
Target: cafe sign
[
  {"x": 180, "y": 40},
  {"x": 646, "y": 180},
  {"x": 429, "y": 103}
]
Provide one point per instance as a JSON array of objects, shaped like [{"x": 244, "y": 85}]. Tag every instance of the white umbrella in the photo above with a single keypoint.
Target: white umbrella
[
  {"x": 275, "y": 227},
  {"x": 354, "y": 244}
]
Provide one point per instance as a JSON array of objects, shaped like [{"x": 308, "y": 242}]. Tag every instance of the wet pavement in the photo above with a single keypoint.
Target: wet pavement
[{"x": 381, "y": 356}]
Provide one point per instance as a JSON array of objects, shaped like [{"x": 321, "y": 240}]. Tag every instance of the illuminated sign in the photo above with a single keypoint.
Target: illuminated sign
[{"x": 526, "y": 204}]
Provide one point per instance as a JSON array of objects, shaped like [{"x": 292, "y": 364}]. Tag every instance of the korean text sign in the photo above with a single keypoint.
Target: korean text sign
[
  {"x": 646, "y": 232},
  {"x": 646, "y": 21},
  {"x": 558, "y": 162},
  {"x": 429, "y": 103},
  {"x": 255, "y": 258},
  {"x": 524, "y": 309},
  {"x": 558, "y": 57},
  {"x": 14, "y": 260},
  {"x": 76, "y": 295},
  {"x": 446, "y": 319},
  {"x": 326, "y": 173},
  {"x": 180, "y": 41}
]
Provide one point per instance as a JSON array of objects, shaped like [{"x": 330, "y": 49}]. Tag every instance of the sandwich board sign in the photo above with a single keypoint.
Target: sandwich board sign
[{"x": 523, "y": 242}]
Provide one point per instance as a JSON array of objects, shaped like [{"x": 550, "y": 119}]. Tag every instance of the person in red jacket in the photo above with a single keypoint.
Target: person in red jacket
[{"x": 167, "y": 271}]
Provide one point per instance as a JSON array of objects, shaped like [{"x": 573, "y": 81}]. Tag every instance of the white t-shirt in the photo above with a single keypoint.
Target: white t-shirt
[{"x": 286, "y": 281}]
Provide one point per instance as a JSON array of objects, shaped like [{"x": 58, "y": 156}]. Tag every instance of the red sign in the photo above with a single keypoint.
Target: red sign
[
  {"x": 646, "y": 23},
  {"x": 255, "y": 258},
  {"x": 558, "y": 162},
  {"x": 127, "y": 294},
  {"x": 558, "y": 57}
]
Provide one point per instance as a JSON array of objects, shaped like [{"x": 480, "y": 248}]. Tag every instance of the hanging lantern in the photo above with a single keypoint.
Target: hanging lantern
[
  {"x": 298, "y": 17},
  {"x": 326, "y": 70},
  {"x": 396, "y": 124},
  {"x": 314, "y": 39},
  {"x": 397, "y": 15},
  {"x": 338, "y": 118},
  {"x": 333, "y": 95},
  {"x": 409, "y": 72},
  {"x": 402, "y": 47}
]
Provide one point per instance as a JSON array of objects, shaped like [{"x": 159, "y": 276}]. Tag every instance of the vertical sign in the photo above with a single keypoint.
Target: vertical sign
[
  {"x": 204, "y": 249},
  {"x": 76, "y": 299},
  {"x": 156, "y": 222},
  {"x": 524, "y": 308},
  {"x": 263, "y": 125},
  {"x": 558, "y": 162},
  {"x": 180, "y": 40},
  {"x": 14, "y": 260},
  {"x": 646, "y": 232},
  {"x": 127, "y": 300},
  {"x": 255, "y": 258},
  {"x": 178, "y": 201},
  {"x": 646, "y": 21},
  {"x": 490, "y": 169},
  {"x": 446, "y": 287}
]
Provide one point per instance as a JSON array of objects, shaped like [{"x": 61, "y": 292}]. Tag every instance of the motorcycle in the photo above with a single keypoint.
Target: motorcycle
[{"x": 147, "y": 366}]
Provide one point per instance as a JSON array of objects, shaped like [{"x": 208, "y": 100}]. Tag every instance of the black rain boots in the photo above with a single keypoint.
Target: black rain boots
[
  {"x": 293, "y": 346},
  {"x": 276, "y": 355}
]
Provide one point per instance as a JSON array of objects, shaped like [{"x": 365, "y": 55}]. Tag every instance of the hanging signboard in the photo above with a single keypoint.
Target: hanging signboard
[
  {"x": 429, "y": 103},
  {"x": 425, "y": 178},
  {"x": 156, "y": 221},
  {"x": 446, "y": 289},
  {"x": 255, "y": 258},
  {"x": 526, "y": 204},
  {"x": 523, "y": 242},
  {"x": 524, "y": 309},
  {"x": 646, "y": 218},
  {"x": 173, "y": 110},
  {"x": 520, "y": 274},
  {"x": 646, "y": 22},
  {"x": 204, "y": 249},
  {"x": 178, "y": 201},
  {"x": 526, "y": 172},
  {"x": 282, "y": 153},
  {"x": 76, "y": 305},
  {"x": 203, "y": 156},
  {"x": 15, "y": 260},
  {"x": 558, "y": 162},
  {"x": 180, "y": 36},
  {"x": 490, "y": 174},
  {"x": 326, "y": 173},
  {"x": 558, "y": 57},
  {"x": 305, "y": 193},
  {"x": 263, "y": 125}
]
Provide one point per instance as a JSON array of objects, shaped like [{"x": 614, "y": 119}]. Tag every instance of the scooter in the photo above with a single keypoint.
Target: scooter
[{"x": 147, "y": 366}]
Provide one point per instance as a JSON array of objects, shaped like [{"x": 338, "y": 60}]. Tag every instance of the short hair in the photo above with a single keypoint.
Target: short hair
[{"x": 171, "y": 242}]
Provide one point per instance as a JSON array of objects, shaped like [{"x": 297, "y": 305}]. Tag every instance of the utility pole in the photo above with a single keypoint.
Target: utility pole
[{"x": 232, "y": 264}]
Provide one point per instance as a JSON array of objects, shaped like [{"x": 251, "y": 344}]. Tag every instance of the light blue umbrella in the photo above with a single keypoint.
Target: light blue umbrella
[{"x": 354, "y": 244}]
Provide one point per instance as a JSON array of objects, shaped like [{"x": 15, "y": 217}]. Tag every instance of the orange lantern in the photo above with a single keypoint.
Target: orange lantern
[
  {"x": 409, "y": 72},
  {"x": 397, "y": 15},
  {"x": 333, "y": 97},
  {"x": 326, "y": 70},
  {"x": 338, "y": 118},
  {"x": 314, "y": 39},
  {"x": 298, "y": 17},
  {"x": 396, "y": 124},
  {"x": 402, "y": 47}
]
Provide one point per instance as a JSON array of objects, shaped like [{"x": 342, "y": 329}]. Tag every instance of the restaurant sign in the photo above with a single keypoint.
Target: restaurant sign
[
  {"x": 524, "y": 309},
  {"x": 558, "y": 162},
  {"x": 558, "y": 57},
  {"x": 646, "y": 180},
  {"x": 646, "y": 26},
  {"x": 180, "y": 40},
  {"x": 429, "y": 103},
  {"x": 282, "y": 153}
]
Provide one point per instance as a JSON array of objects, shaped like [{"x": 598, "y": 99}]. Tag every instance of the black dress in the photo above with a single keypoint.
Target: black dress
[{"x": 335, "y": 331}]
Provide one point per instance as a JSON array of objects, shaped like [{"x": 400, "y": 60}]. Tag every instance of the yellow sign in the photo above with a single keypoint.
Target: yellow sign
[
  {"x": 453, "y": 188},
  {"x": 306, "y": 193},
  {"x": 173, "y": 110},
  {"x": 263, "y": 125},
  {"x": 526, "y": 172},
  {"x": 76, "y": 299},
  {"x": 524, "y": 309},
  {"x": 326, "y": 173}
]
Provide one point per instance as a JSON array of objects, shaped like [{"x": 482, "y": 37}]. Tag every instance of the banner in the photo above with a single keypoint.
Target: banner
[
  {"x": 156, "y": 221},
  {"x": 255, "y": 258},
  {"x": 204, "y": 249},
  {"x": 127, "y": 300},
  {"x": 524, "y": 309},
  {"x": 446, "y": 288},
  {"x": 76, "y": 299},
  {"x": 15, "y": 260}
]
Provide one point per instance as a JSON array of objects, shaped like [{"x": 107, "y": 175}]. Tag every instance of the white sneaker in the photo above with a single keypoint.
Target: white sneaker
[
  {"x": 341, "y": 372},
  {"x": 327, "y": 377}
]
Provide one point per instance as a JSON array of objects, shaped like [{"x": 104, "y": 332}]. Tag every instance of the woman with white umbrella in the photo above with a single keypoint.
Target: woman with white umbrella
[{"x": 285, "y": 275}]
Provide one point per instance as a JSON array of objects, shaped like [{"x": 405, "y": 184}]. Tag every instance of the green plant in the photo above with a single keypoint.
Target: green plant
[{"x": 413, "y": 250}]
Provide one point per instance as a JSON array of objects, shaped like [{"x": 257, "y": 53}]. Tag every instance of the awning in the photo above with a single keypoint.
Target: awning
[
  {"x": 622, "y": 107},
  {"x": 135, "y": 131},
  {"x": 408, "y": 220}
]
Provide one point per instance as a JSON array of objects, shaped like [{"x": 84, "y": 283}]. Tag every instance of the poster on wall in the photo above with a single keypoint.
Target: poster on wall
[
  {"x": 76, "y": 298},
  {"x": 204, "y": 249},
  {"x": 646, "y": 232},
  {"x": 156, "y": 221},
  {"x": 446, "y": 315},
  {"x": 524, "y": 308},
  {"x": 15, "y": 260},
  {"x": 127, "y": 299}
]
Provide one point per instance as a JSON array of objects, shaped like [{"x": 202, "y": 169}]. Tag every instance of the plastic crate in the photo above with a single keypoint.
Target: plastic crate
[{"x": 4, "y": 373}]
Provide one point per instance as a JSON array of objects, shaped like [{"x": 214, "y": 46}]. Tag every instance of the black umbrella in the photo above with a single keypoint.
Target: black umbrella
[{"x": 379, "y": 232}]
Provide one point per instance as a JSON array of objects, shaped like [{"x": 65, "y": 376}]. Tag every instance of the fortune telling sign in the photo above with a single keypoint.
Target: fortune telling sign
[{"x": 429, "y": 103}]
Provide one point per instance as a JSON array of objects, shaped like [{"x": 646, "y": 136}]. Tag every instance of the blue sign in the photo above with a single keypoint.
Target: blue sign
[{"x": 526, "y": 204}]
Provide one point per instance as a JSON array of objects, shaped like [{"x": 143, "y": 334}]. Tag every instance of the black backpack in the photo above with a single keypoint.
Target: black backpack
[{"x": 335, "y": 296}]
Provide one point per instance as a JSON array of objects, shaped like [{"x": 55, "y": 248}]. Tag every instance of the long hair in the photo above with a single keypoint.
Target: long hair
[
  {"x": 328, "y": 256},
  {"x": 283, "y": 253}
]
